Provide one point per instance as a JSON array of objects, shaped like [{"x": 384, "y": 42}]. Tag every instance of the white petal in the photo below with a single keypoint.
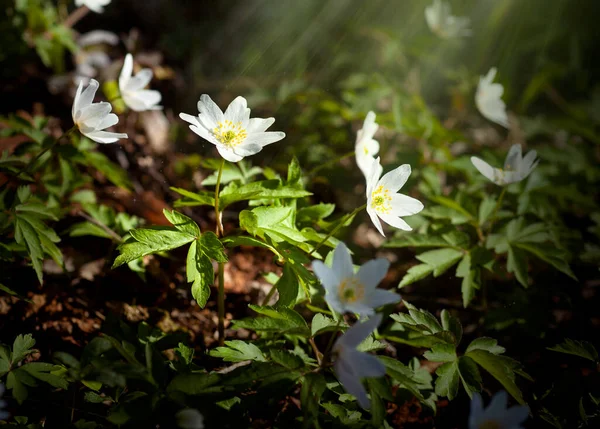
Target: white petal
[
  {"x": 140, "y": 80},
  {"x": 329, "y": 278},
  {"x": 266, "y": 138},
  {"x": 238, "y": 111},
  {"x": 342, "y": 262},
  {"x": 247, "y": 149},
  {"x": 86, "y": 98},
  {"x": 210, "y": 113},
  {"x": 381, "y": 297},
  {"x": 228, "y": 154},
  {"x": 513, "y": 158},
  {"x": 376, "y": 169},
  {"x": 373, "y": 272},
  {"x": 516, "y": 415},
  {"x": 259, "y": 125},
  {"x": 395, "y": 179},
  {"x": 351, "y": 382},
  {"x": 74, "y": 109},
  {"x": 484, "y": 168},
  {"x": 358, "y": 333},
  {"x": 108, "y": 121},
  {"x": 364, "y": 161},
  {"x": 94, "y": 113},
  {"x": 365, "y": 365},
  {"x": 190, "y": 119},
  {"x": 145, "y": 99},
  {"x": 403, "y": 205},
  {"x": 375, "y": 219},
  {"x": 105, "y": 136},
  {"x": 126, "y": 72},
  {"x": 497, "y": 406},
  {"x": 476, "y": 411},
  {"x": 395, "y": 221}
]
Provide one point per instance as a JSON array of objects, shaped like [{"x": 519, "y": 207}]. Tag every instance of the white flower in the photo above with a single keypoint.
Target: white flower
[
  {"x": 132, "y": 91},
  {"x": 190, "y": 418},
  {"x": 516, "y": 167},
  {"x": 351, "y": 365},
  {"x": 496, "y": 415},
  {"x": 354, "y": 293},
  {"x": 489, "y": 99},
  {"x": 233, "y": 133},
  {"x": 384, "y": 202},
  {"x": 95, "y": 5},
  {"x": 366, "y": 147},
  {"x": 92, "y": 118},
  {"x": 3, "y": 414},
  {"x": 442, "y": 23}
]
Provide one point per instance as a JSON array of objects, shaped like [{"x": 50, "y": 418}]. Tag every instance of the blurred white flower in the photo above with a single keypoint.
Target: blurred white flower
[
  {"x": 190, "y": 418},
  {"x": 92, "y": 118},
  {"x": 489, "y": 99},
  {"x": 132, "y": 88},
  {"x": 354, "y": 293},
  {"x": 496, "y": 415},
  {"x": 351, "y": 365},
  {"x": 366, "y": 147},
  {"x": 516, "y": 166},
  {"x": 384, "y": 202},
  {"x": 95, "y": 5},
  {"x": 233, "y": 133},
  {"x": 442, "y": 23},
  {"x": 4, "y": 415}
]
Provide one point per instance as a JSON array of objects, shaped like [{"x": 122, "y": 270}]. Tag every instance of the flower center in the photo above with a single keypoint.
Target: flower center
[
  {"x": 381, "y": 200},
  {"x": 351, "y": 290},
  {"x": 489, "y": 424},
  {"x": 229, "y": 133}
]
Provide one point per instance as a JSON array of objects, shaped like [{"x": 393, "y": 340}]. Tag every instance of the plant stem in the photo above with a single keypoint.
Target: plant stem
[
  {"x": 498, "y": 204},
  {"x": 337, "y": 228},
  {"x": 221, "y": 275},
  {"x": 330, "y": 343},
  {"x": 270, "y": 294},
  {"x": 329, "y": 163}
]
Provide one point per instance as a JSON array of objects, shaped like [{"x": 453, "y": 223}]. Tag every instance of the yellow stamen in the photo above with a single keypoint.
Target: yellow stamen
[
  {"x": 229, "y": 133},
  {"x": 351, "y": 290},
  {"x": 381, "y": 200}
]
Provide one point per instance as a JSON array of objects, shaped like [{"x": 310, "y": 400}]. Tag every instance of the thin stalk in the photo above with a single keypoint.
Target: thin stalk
[
  {"x": 337, "y": 228},
  {"x": 498, "y": 205},
  {"x": 221, "y": 275},
  {"x": 270, "y": 294},
  {"x": 334, "y": 161}
]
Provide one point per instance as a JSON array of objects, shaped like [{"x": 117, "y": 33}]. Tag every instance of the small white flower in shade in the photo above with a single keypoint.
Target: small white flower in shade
[
  {"x": 488, "y": 99},
  {"x": 442, "y": 23},
  {"x": 92, "y": 118},
  {"x": 352, "y": 365},
  {"x": 496, "y": 415},
  {"x": 95, "y": 5},
  {"x": 132, "y": 88},
  {"x": 384, "y": 202},
  {"x": 354, "y": 293},
  {"x": 3, "y": 414},
  {"x": 366, "y": 147},
  {"x": 189, "y": 418},
  {"x": 516, "y": 166},
  {"x": 233, "y": 133}
]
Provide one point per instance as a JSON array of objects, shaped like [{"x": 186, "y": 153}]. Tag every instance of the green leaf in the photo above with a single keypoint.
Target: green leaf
[
  {"x": 212, "y": 247},
  {"x": 502, "y": 368},
  {"x": 517, "y": 264},
  {"x": 313, "y": 387},
  {"x": 193, "y": 199},
  {"x": 47, "y": 373},
  {"x": 94, "y": 398},
  {"x": 469, "y": 375},
  {"x": 452, "y": 324},
  {"x": 313, "y": 214},
  {"x": 549, "y": 254},
  {"x": 405, "y": 376},
  {"x": 150, "y": 241},
  {"x": 264, "y": 189},
  {"x": 109, "y": 169},
  {"x": 82, "y": 229},
  {"x": 199, "y": 272},
  {"x": 447, "y": 382},
  {"x": 471, "y": 275},
  {"x": 278, "y": 320},
  {"x": 183, "y": 223},
  {"x": 288, "y": 288},
  {"x": 22, "y": 347},
  {"x": 237, "y": 351},
  {"x": 415, "y": 273},
  {"x": 321, "y": 323},
  {"x": 441, "y": 353},
  {"x": 19, "y": 391},
  {"x": 486, "y": 208},
  {"x": 487, "y": 344},
  {"x": 582, "y": 349},
  {"x": 286, "y": 359},
  {"x": 416, "y": 240},
  {"x": 440, "y": 259},
  {"x": 423, "y": 318}
]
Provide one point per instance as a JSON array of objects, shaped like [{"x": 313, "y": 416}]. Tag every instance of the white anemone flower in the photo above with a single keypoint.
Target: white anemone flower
[
  {"x": 442, "y": 23},
  {"x": 496, "y": 415},
  {"x": 3, "y": 414},
  {"x": 516, "y": 166},
  {"x": 351, "y": 365},
  {"x": 354, "y": 293},
  {"x": 132, "y": 88},
  {"x": 95, "y": 5},
  {"x": 384, "y": 202},
  {"x": 489, "y": 99},
  {"x": 366, "y": 147},
  {"x": 92, "y": 118},
  {"x": 189, "y": 418},
  {"x": 234, "y": 133}
]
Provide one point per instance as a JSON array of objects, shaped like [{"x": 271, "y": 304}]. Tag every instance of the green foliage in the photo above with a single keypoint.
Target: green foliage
[{"x": 582, "y": 349}]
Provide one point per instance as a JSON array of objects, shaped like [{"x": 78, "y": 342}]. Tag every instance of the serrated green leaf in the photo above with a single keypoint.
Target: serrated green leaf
[
  {"x": 263, "y": 189},
  {"x": 288, "y": 287},
  {"x": 321, "y": 323},
  {"x": 22, "y": 347},
  {"x": 150, "y": 241},
  {"x": 440, "y": 259},
  {"x": 549, "y": 254},
  {"x": 46, "y": 372},
  {"x": 486, "y": 208},
  {"x": 487, "y": 344},
  {"x": 517, "y": 264},
  {"x": 441, "y": 353},
  {"x": 286, "y": 359},
  {"x": 415, "y": 273},
  {"x": 416, "y": 240},
  {"x": 212, "y": 247},
  {"x": 183, "y": 223},
  {"x": 582, "y": 349},
  {"x": 194, "y": 199},
  {"x": 448, "y": 380},
  {"x": 452, "y": 324},
  {"x": 237, "y": 351},
  {"x": 469, "y": 375},
  {"x": 199, "y": 272}
]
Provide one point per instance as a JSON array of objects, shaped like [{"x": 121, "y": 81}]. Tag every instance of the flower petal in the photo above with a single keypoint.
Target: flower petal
[
  {"x": 126, "y": 72},
  {"x": 358, "y": 333},
  {"x": 190, "y": 119},
  {"x": 342, "y": 262},
  {"x": 395, "y": 179},
  {"x": 513, "y": 158},
  {"x": 395, "y": 221},
  {"x": 403, "y": 205},
  {"x": 86, "y": 98},
  {"x": 374, "y": 218},
  {"x": 259, "y": 125},
  {"x": 373, "y": 272},
  {"x": 108, "y": 121},
  {"x": 476, "y": 411},
  {"x": 142, "y": 100},
  {"x": 227, "y": 153},
  {"x": 265, "y": 138},
  {"x": 515, "y": 415},
  {"x": 247, "y": 149},
  {"x": 139, "y": 81},
  {"x": 364, "y": 364},
  {"x": 105, "y": 136},
  {"x": 484, "y": 168},
  {"x": 381, "y": 297},
  {"x": 328, "y": 277},
  {"x": 94, "y": 113},
  {"x": 351, "y": 382},
  {"x": 238, "y": 111},
  {"x": 210, "y": 113}
]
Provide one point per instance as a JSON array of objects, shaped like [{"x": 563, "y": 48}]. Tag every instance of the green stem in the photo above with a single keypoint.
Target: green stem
[
  {"x": 329, "y": 163},
  {"x": 221, "y": 275},
  {"x": 270, "y": 294},
  {"x": 498, "y": 205},
  {"x": 337, "y": 228}
]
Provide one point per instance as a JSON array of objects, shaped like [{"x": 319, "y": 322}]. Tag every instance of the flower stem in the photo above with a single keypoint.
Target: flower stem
[
  {"x": 337, "y": 228},
  {"x": 221, "y": 275},
  {"x": 498, "y": 205},
  {"x": 334, "y": 161}
]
